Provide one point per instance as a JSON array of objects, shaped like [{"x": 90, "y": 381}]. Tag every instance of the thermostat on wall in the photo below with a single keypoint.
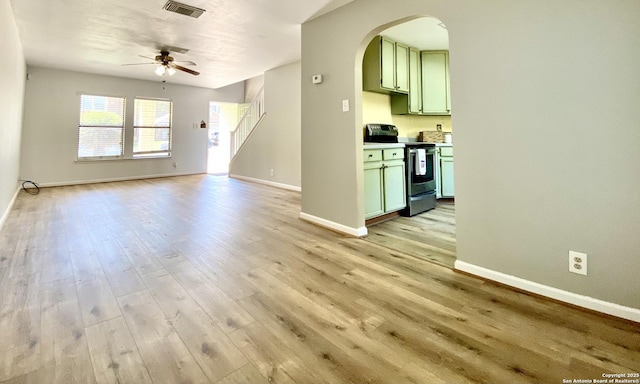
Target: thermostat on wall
[{"x": 316, "y": 79}]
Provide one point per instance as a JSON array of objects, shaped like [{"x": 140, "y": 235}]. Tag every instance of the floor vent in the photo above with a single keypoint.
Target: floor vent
[{"x": 183, "y": 9}]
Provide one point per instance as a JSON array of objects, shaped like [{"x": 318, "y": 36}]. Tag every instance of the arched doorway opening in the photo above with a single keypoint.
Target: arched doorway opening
[{"x": 413, "y": 96}]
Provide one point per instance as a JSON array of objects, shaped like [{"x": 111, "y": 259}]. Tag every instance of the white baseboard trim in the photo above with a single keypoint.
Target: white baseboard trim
[
  {"x": 113, "y": 179},
  {"x": 267, "y": 182},
  {"x": 5, "y": 215},
  {"x": 612, "y": 309},
  {"x": 357, "y": 232}
]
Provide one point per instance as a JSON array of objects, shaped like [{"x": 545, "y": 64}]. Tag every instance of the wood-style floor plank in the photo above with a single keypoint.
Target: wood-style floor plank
[
  {"x": 19, "y": 324},
  {"x": 209, "y": 345},
  {"x": 165, "y": 355},
  {"x": 244, "y": 375},
  {"x": 212, "y": 280},
  {"x": 65, "y": 353},
  {"x": 430, "y": 235},
  {"x": 97, "y": 302},
  {"x": 225, "y": 312},
  {"x": 114, "y": 354}
]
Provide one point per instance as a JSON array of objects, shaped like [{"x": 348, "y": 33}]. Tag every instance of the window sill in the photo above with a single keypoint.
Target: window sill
[
  {"x": 88, "y": 161},
  {"x": 152, "y": 156}
]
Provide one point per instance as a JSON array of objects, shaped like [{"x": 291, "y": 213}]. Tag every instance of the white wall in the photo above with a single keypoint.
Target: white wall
[
  {"x": 12, "y": 79},
  {"x": 275, "y": 143},
  {"x": 251, "y": 87},
  {"x": 545, "y": 98},
  {"x": 51, "y": 120}
]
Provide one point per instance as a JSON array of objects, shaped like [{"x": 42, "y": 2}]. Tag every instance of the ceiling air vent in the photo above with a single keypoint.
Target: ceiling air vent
[{"x": 183, "y": 9}]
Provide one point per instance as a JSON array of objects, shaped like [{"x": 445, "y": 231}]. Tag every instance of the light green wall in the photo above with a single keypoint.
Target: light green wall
[
  {"x": 545, "y": 97},
  {"x": 12, "y": 78},
  {"x": 275, "y": 143}
]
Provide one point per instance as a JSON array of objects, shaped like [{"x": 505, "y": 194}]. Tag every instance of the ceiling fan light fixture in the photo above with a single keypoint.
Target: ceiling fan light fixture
[
  {"x": 160, "y": 70},
  {"x": 171, "y": 71}
]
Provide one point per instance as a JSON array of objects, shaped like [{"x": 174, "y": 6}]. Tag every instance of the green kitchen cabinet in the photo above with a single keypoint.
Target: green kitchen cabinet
[
  {"x": 446, "y": 187},
  {"x": 428, "y": 85},
  {"x": 384, "y": 181},
  {"x": 394, "y": 188},
  {"x": 373, "y": 185},
  {"x": 415, "y": 82},
  {"x": 402, "y": 68},
  {"x": 411, "y": 103},
  {"x": 385, "y": 66},
  {"x": 435, "y": 83}
]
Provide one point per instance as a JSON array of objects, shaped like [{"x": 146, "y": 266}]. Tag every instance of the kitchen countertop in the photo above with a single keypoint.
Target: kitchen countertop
[
  {"x": 383, "y": 145},
  {"x": 440, "y": 144},
  {"x": 399, "y": 145}
]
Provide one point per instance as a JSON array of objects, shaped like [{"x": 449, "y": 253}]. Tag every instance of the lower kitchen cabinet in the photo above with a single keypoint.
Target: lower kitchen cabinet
[
  {"x": 394, "y": 190},
  {"x": 384, "y": 181},
  {"x": 446, "y": 185},
  {"x": 373, "y": 193}
]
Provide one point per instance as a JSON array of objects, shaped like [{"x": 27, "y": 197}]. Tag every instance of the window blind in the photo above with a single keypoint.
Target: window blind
[
  {"x": 101, "y": 127},
  {"x": 152, "y": 127}
]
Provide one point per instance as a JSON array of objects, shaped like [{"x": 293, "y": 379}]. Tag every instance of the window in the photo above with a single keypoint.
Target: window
[
  {"x": 152, "y": 128},
  {"x": 101, "y": 127}
]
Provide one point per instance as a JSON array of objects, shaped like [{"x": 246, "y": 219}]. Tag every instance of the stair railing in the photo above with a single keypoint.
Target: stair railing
[{"x": 252, "y": 116}]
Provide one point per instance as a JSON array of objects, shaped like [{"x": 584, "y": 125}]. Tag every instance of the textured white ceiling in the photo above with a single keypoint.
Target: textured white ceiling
[
  {"x": 425, "y": 33},
  {"x": 232, "y": 41}
]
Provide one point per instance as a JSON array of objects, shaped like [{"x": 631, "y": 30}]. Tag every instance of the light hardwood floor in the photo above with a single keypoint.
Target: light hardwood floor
[
  {"x": 204, "y": 279},
  {"x": 430, "y": 235}
]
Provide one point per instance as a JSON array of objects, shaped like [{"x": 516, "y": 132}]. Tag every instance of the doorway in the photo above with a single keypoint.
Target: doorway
[
  {"x": 430, "y": 235},
  {"x": 223, "y": 118}
]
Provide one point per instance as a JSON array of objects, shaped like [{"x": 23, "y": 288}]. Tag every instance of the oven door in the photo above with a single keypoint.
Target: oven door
[{"x": 419, "y": 184}]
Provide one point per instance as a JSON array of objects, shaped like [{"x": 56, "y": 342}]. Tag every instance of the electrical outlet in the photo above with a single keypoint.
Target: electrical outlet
[
  {"x": 578, "y": 262},
  {"x": 345, "y": 105}
]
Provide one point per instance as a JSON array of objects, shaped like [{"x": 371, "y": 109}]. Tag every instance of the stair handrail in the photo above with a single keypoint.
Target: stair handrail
[{"x": 252, "y": 116}]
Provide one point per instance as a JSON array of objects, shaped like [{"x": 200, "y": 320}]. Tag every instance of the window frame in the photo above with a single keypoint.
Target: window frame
[
  {"x": 122, "y": 127},
  {"x": 163, "y": 153}
]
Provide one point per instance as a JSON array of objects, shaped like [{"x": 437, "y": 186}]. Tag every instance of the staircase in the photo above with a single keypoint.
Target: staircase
[{"x": 249, "y": 121}]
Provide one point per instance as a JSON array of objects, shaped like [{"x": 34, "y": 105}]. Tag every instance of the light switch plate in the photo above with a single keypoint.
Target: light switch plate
[
  {"x": 345, "y": 105},
  {"x": 316, "y": 79}
]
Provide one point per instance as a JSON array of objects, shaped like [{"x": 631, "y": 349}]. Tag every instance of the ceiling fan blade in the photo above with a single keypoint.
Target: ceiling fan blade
[
  {"x": 147, "y": 57},
  {"x": 183, "y": 69},
  {"x": 185, "y": 62},
  {"x": 138, "y": 64}
]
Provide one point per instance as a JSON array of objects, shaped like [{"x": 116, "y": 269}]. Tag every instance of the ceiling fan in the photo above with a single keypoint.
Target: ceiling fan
[{"x": 166, "y": 64}]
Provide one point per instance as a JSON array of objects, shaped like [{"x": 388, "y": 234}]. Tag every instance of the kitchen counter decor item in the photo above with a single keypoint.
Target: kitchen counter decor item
[{"x": 431, "y": 136}]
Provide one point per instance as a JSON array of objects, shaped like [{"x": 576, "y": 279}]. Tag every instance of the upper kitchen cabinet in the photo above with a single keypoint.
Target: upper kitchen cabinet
[
  {"x": 428, "y": 85},
  {"x": 385, "y": 66},
  {"x": 415, "y": 82},
  {"x": 435, "y": 83}
]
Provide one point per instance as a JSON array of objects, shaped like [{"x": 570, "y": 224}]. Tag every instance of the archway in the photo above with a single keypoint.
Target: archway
[{"x": 431, "y": 234}]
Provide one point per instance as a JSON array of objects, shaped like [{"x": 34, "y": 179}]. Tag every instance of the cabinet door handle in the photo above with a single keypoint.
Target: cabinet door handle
[{"x": 370, "y": 156}]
